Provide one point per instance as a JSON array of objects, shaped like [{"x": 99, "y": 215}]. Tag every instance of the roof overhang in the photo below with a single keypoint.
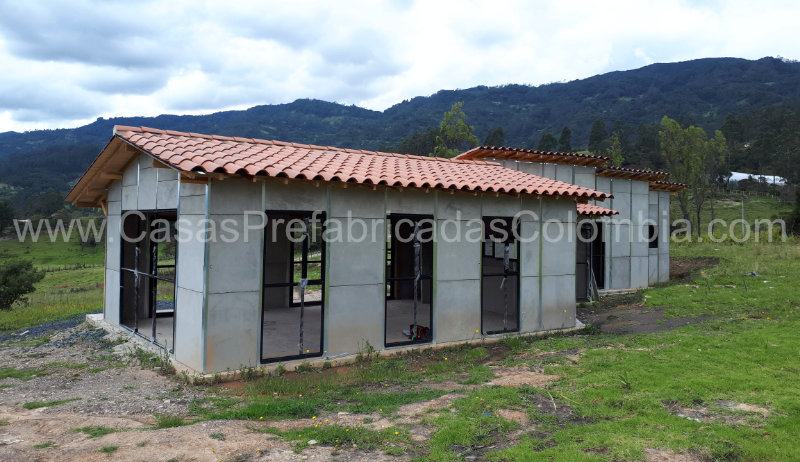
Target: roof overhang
[
  {"x": 595, "y": 211},
  {"x": 532, "y": 155},
  {"x": 631, "y": 173}
]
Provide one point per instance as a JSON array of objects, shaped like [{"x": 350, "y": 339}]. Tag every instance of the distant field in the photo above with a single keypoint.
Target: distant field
[
  {"x": 72, "y": 285},
  {"x": 730, "y": 209}
]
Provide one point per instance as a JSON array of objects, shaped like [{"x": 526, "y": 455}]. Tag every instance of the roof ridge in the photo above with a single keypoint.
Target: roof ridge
[
  {"x": 236, "y": 139},
  {"x": 536, "y": 151}
]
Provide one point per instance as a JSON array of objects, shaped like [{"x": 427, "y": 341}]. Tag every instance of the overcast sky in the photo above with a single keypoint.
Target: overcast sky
[{"x": 65, "y": 63}]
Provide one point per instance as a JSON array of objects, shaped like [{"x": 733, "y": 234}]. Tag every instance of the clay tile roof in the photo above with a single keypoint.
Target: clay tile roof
[
  {"x": 632, "y": 173},
  {"x": 666, "y": 186},
  {"x": 193, "y": 152},
  {"x": 532, "y": 155},
  {"x": 595, "y": 210}
]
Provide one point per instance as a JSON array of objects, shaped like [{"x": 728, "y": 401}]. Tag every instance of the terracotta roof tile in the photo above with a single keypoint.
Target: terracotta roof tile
[
  {"x": 595, "y": 210},
  {"x": 193, "y": 152},
  {"x": 533, "y": 155},
  {"x": 634, "y": 173}
]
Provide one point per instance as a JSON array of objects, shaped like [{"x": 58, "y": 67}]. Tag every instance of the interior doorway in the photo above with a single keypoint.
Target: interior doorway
[
  {"x": 499, "y": 276},
  {"x": 294, "y": 286},
  {"x": 589, "y": 260},
  {"x": 147, "y": 278},
  {"x": 408, "y": 316}
]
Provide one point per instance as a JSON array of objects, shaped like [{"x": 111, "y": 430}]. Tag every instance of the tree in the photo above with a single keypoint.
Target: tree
[
  {"x": 597, "y": 135},
  {"x": 547, "y": 142},
  {"x": 6, "y": 215},
  {"x": 614, "y": 150},
  {"x": 692, "y": 159},
  {"x": 455, "y": 135},
  {"x": 419, "y": 143},
  {"x": 565, "y": 140},
  {"x": 17, "y": 278},
  {"x": 495, "y": 137}
]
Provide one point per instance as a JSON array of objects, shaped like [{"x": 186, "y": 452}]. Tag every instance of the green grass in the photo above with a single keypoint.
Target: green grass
[
  {"x": 729, "y": 208},
  {"x": 169, "y": 421},
  {"x": 21, "y": 374},
  {"x": 41, "y": 404},
  {"x": 44, "y": 253},
  {"x": 45, "y": 445},
  {"x": 217, "y": 436},
  {"x": 344, "y": 437},
  {"x": 94, "y": 431},
  {"x": 108, "y": 449}
]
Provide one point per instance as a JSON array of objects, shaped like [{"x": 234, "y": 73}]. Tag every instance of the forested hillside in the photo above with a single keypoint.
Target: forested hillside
[{"x": 761, "y": 96}]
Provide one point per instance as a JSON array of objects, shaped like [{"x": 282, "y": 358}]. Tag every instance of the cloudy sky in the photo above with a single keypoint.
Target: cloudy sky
[{"x": 65, "y": 63}]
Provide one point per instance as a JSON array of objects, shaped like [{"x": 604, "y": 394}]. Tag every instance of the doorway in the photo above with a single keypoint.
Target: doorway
[
  {"x": 589, "y": 260},
  {"x": 293, "y": 287},
  {"x": 499, "y": 276}
]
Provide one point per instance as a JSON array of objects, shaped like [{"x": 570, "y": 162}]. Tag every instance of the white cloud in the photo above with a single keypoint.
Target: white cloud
[{"x": 76, "y": 60}]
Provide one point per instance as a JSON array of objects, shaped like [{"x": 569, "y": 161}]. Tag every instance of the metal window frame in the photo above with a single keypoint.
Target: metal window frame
[
  {"x": 516, "y": 273},
  {"x": 150, "y": 215},
  {"x": 291, "y": 214},
  {"x": 390, "y": 280}
]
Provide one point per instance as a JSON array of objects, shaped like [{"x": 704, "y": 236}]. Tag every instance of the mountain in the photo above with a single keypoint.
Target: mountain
[{"x": 702, "y": 92}]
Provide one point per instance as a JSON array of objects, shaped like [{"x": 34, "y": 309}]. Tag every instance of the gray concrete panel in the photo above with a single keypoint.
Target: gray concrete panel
[
  {"x": 192, "y": 205},
  {"x": 189, "y": 335},
  {"x": 234, "y": 266},
  {"x": 622, "y": 204},
  {"x": 235, "y": 196},
  {"x": 663, "y": 268},
  {"x": 193, "y": 189},
  {"x": 558, "y": 302},
  {"x": 358, "y": 263},
  {"x": 603, "y": 184},
  {"x": 296, "y": 196},
  {"x": 639, "y": 272},
  {"x": 130, "y": 176},
  {"x": 460, "y": 205},
  {"x": 114, "y": 208},
  {"x": 191, "y": 252},
  {"x": 549, "y": 171},
  {"x": 652, "y": 269},
  {"x": 130, "y": 200},
  {"x": 534, "y": 168},
  {"x": 115, "y": 191},
  {"x": 529, "y": 248},
  {"x": 639, "y": 244},
  {"x": 640, "y": 187},
  {"x": 355, "y": 315},
  {"x": 620, "y": 272},
  {"x": 168, "y": 174},
  {"x": 148, "y": 188},
  {"x": 113, "y": 242},
  {"x": 529, "y": 304},
  {"x": 564, "y": 173},
  {"x": 360, "y": 202},
  {"x": 410, "y": 201},
  {"x": 621, "y": 186},
  {"x": 652, "y": 197},
  {"x": 620, "y": 240},
  {"x": 585, "y": 176},
  {"x": 457, "y": 310},
  {"x": 652, "y": 213},
  {"x": 111, "y": 301},
  {"x": 233, "y": 329},
  {"x": 664, "y": 223},
  {"x": 559, "y": 256},
  {"x": 499, "y": 206},
  {"x": 167, "y": 195},
  {"x": 458, "y": 257},
  {"x": 640, "y": 209},
  {"x": 559, "y": 210}
]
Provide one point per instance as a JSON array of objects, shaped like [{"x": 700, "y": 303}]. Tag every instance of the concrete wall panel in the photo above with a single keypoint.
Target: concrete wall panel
[
  {"x": 354, "y": 263},
  {"x": 130, "y": 176},
  {"x": 359, "y": 202},
  {"x": 584, "y": 176},
  {"x": 529, "y": 248},
  {"x": 191, "y": 253},
  {"x": 559, "y": 256},
  {"x": 558, "y": 301},
  {"x": 115, "y": 191},
  {"x": 130, "y": 200},
  {"x": 639, "y": 272},
  {"x": 640, "y": 208},
  {"x": 620, "y": 272},
  {"x": 148, "y": 188},
  {"x": 410, "y": 201},
  {"x": 603, "y": 184},
  {"x": 233, "y": 330},
  {"x": 499, "y": 206},
  {"x": 457, "y": 310},
  {"x": 234, "y": 196},
  {"x": 663, "y": 268},
  {"x": 620, "y": 239},
  {"x": 295, "y": 196},
  {"x": 529, "y": 305},
  {"x": 549, "y": 171},
  {"x": 652, "y": 269},
  {"x": 461, "y": 206},
  {"x": 534, "y": 168},
  {"x": 622, "y": 204},
  {"x": 111, "y": 302},
  {"x": 235, "y": 265},
  {"x": 167, "y": 195},
  {"x": 564, "y": 173},
  {"x": 457, "y": 258},
  {"x": 559, "y": 210},
  {"x": 113, "y": 241},
  {"x": 355, "y": 315},
  {"x": 189, "y": 335},
  {"x": 639, "y": 187}
]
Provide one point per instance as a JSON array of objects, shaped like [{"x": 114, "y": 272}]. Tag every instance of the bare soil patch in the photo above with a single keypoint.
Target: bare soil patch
[
  {"x": 634, "y": 319},
  {"x": 684, "y": 269},
  {"x": 728, "y": 412},
  {"x": 663, "y": 455}
]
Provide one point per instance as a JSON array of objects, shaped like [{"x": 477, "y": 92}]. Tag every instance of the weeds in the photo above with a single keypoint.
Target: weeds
[
  {"x": 169, "y": 421},
  {"x": 108, "y": 449},
  {"x": 94, "y": 431},
  {"x": 41, "y": 404},
  {"x": 45, "y": 445}
]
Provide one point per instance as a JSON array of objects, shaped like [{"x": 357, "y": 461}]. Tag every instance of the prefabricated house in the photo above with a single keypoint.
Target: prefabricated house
[
  {"x": 232, "y": 252},
  {"x": 628, "y": 248}
]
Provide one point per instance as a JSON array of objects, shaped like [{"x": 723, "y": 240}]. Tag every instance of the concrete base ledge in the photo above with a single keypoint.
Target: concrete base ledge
[{"x": 195, "y": 376}]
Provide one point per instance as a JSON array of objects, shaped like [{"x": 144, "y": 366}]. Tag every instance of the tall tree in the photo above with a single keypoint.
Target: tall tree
[
  {"x": 565, "y": 140},
  {"x": 693, "y": 159},
  {"x": 547, "y": 142},
  {"x": 17, "y": 278},
  {"x": 455, "y": 135},
  {"x": 6, "y": 215},
  {"x": 420, "y": 143},
  {"x": 614, "y": 150},
  {"x": 495, "y": 137},
  {"x": 597, "y": 135}
]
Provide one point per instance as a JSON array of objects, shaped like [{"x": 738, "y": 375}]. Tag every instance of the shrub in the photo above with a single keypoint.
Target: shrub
[{"x": 17, "y": 278}]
